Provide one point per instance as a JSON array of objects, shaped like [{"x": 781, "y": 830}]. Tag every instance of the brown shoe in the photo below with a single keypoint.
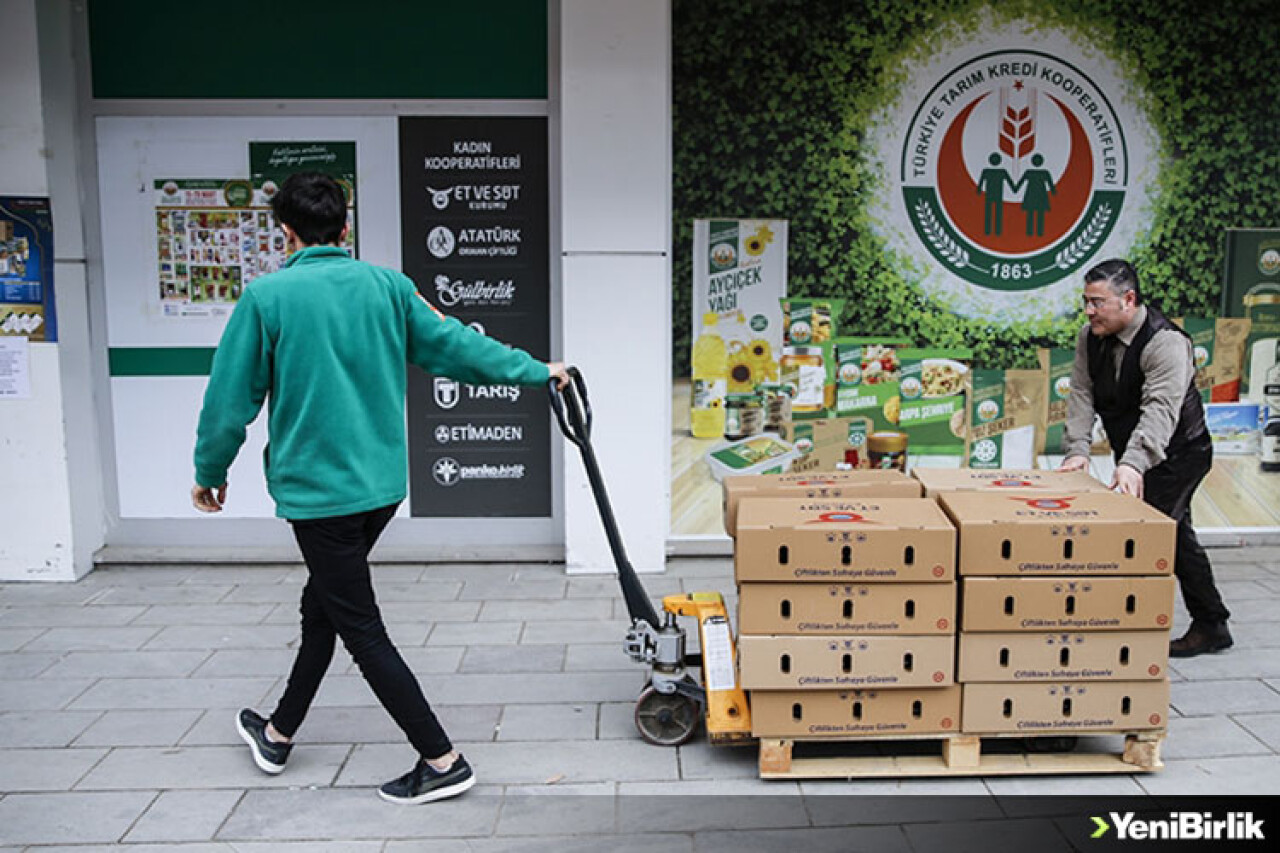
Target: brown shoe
[{"x": 1201, "y": 638}]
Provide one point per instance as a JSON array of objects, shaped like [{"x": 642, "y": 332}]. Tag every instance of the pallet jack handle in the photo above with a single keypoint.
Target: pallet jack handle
[{"x": 573, "y": 411}]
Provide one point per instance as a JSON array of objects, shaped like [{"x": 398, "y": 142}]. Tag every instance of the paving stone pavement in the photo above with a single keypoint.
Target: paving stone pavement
[{"x": 118, "y": 693}]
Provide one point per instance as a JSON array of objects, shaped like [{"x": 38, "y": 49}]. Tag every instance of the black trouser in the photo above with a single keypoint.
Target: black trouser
[
  {"x": 1169, "y": 487},
  {"x": 338, "y": 601}
]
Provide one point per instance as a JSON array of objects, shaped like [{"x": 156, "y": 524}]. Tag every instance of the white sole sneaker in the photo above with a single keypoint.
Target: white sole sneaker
[
  {"x": 431, "y": 796},
  {"x": 263, "y": 764}
]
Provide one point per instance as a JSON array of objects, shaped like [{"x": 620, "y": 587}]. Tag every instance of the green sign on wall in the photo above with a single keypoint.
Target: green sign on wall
[{"x": 1251, "y": 288}]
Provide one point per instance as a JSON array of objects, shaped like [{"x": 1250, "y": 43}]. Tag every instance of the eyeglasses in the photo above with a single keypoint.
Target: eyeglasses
[{"x": 1095, "y": 302}]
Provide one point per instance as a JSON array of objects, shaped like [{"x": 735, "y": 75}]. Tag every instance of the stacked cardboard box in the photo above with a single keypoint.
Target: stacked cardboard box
[
  {"x": 1066, "y": 600},
  {"x": 846, "y": 612}
]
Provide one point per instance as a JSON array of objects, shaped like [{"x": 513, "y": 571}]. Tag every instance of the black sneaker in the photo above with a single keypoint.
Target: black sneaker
[
  {"x": 267, "y": 754},
  {"x": 424, "y": 784}
]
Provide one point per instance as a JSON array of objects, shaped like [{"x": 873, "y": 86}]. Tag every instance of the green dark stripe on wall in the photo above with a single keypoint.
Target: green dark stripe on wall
[
  {"x": 319, "y": 49},
  {"x": 160, "y": 361}
]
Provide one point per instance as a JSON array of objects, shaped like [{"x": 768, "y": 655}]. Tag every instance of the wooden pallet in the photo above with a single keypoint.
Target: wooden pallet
[{"x": 959, "y": 755}]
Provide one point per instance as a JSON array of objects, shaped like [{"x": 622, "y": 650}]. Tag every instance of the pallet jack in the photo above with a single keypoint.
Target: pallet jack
[{"x": 672, "y": 702}]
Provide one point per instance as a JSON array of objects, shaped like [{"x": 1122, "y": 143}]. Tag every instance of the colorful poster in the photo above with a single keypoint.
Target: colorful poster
[
  {"x": 1251, "y": 289},
  {"x": 214, "y": 236},
  {"x": 26, "y": 269},
  {"x": 739, "y": 276}
]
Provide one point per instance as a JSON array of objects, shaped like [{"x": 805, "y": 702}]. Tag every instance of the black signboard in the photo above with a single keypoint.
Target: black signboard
[{"x": 473, "y": 207}]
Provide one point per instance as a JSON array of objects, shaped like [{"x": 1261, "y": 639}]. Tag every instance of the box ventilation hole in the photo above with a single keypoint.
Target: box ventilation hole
[
  {"x": 1066, "y": 707},
  {"x": 1008, "y": 708},
  {"x": 1006, "y": 549},
  {"x": 846, "y": 555},
  {"x": 1064, "y": 656},
  {"x": 784, "y": 663},
  {"x": 917, "y": 709},
  {"x": 1124, "y": 655},
  {"x": 909, "y": 555},
  {"x": 1129, "y": 549},
  {"x": 1068, "y": 548},
  {"x": 1126, "y": 704},
  {"x": 857, "y": 710},
  {"x": 846, "y": 663},
  {"x": 1131, "y": 604},
  {"x": 784, "y": 555},
  {"x": 797, "y": 711},
  {"x": 910, "y": 609},
  {"x": 908, "y": 662},
  {"x": 1071, "y": 604},
  {"x": 785, "y": 608},
  {"x": 1004, "y": 657},
  {"x": 847, "y": 610}
]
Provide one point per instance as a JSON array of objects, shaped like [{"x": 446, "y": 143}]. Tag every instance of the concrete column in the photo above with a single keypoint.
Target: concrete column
[{"x": 615, "y": 161}]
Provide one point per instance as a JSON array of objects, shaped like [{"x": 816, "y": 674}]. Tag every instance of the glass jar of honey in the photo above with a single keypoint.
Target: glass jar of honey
[{"x": 804, "y": 368}]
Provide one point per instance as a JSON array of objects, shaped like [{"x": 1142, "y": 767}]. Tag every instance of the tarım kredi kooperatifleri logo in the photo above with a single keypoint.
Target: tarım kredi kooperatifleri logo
[{"x": 1014, "y": 172}]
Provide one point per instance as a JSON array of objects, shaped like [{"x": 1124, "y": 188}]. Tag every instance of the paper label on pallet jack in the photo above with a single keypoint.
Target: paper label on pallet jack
[{"x": 717, "y": 656}]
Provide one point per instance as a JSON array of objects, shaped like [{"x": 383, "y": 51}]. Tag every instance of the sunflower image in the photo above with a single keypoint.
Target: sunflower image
[{"x": 757, "y": 242}]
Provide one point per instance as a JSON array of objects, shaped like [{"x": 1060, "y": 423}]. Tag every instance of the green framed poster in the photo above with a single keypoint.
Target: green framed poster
[{"x": 1251, "y": 289}]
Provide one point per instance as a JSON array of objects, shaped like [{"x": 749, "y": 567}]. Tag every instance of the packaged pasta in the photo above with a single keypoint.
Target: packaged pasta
[
  {"x": 934, "y": 409},
  {"x": 808, "y": 321}
]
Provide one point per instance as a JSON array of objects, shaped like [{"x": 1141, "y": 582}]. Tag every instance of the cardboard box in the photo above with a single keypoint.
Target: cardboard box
[
  {"x": 850, "y": 713},
  {"x": 829, "y": 663},
  {"x": 1006, "y": 418},
  {"x": 875, "y": 608},
  {"x": 1077, "y": 656},
  {"x": 889, "y": 539},
  {"x": 1065, "y": 533},
  {"x": 1089, "y": 706},
  {"x": 1066, "y": 604},
  {"x": 936, "y": 480},
  {"x": 825, "y": 486}
]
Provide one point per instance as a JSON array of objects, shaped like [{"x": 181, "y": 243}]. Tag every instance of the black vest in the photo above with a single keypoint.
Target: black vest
[{"x": 1118, "y": 399}]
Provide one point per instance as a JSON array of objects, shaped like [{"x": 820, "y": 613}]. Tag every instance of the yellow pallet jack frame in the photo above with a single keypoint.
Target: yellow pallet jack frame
[{"x": 672, "y": 702}]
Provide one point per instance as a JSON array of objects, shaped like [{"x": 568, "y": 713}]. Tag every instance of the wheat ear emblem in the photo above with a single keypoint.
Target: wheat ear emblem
[
  {"x": 1089, "y": 237},
  {"x": 948, "y": 248},
  {"x": 1017, "y": 128}
]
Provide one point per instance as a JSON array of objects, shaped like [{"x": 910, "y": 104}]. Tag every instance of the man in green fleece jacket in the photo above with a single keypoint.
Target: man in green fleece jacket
[{"x": 325, "y": 343}]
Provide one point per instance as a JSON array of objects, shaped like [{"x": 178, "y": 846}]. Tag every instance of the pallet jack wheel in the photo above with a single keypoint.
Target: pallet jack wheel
[
  {"x": 1063, "y": 743},
  {"x": 666, "y": 719}
]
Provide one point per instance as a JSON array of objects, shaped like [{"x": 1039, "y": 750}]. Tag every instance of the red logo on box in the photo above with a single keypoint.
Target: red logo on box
[
  {"x": 946, "y": 722},
  {"x": 942, "y": 624},
  {"x": 1162, "y": 564},
  {"x": 938, "y": 676},
  {"x": 1154, "y": 719},
  {"x": 1162, "y": 620},
  {"x": 1046, "y": 503},
  {"x": 840, "y": 517},
  {"x": 939, "y": 571},
  {"x": 1154, "y": 669},
  {"x": 1011, "y": 484}
]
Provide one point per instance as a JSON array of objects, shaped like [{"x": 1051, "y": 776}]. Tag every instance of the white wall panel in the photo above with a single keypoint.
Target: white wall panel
[
  {"x": 35, "y": 511},
  {"x": 614, "y": 310},
  {"x": 615, "y": 115}
]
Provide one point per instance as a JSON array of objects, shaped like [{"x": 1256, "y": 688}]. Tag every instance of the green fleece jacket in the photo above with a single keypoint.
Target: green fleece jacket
[{"x": 325, "y": 342}]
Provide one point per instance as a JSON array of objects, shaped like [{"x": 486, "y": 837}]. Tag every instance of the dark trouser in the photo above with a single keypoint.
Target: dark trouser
[
  {"x": 1169, "y": 487},
  {"x": 338, "y": 601}
]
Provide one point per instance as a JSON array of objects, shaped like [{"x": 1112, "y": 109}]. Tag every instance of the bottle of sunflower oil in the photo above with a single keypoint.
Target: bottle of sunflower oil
[{"x": 710, "y": 369}]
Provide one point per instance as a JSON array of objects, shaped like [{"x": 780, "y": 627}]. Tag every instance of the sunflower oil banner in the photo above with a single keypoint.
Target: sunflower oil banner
[{"x": 739, "y": 274}]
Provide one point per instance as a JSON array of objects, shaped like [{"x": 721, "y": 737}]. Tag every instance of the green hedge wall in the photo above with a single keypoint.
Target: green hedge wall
[{"x": 771, "y": 100}]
